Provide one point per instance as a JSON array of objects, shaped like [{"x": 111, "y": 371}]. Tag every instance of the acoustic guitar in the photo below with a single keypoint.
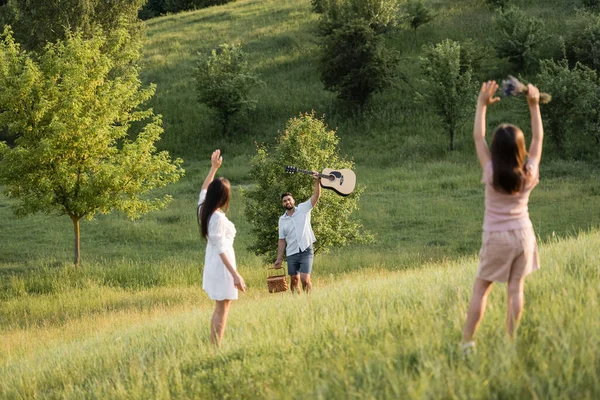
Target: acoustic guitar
[{"x": 341, "y": 181}]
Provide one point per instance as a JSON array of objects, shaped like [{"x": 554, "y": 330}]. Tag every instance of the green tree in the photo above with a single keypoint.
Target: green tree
[
  {"x": 519, "y": 38},
  {"x": 583, "y": 44},
  {"x": 417, "y": 14},
  {"x": 381, "y": 15},
  {"x": 36, "y": 22},
  {"x": 574, "y": 106},
  {"x": 448, "y": 87},
  {"x": 356, "y": 64},
  {"x": 225, "y": 81},
  {"x": 72, "y": 119},
  {"x": 306, "y": 143},
  {"x": 499, "y": 3}
]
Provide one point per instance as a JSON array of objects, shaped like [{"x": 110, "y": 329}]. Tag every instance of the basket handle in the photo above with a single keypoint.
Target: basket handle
[{"x": 272, "y": 268}]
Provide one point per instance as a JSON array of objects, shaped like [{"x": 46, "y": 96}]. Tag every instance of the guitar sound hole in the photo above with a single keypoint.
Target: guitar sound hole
[{"x": 331, "y": 178}]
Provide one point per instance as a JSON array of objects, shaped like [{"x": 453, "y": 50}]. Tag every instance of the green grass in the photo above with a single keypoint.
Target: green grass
[
  {"x": 385, "y": 319},
  {"x": 368, "y": 334}
]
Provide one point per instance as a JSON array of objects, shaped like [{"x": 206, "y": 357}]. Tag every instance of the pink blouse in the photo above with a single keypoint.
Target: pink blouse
[{"x": 503, "y": 211}]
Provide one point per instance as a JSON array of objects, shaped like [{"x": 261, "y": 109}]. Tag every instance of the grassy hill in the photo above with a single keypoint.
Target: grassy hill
[
  {"x": 368, "y": 334},
  {"x": 384, "y": 320}
]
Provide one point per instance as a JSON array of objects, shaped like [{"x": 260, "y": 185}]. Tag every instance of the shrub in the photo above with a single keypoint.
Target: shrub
[
  {"x": 356, "y": 64},
  {"x": 224, "y": 82},
  {"x": 309, "y": 144},
  {"x": 448, "y": 86},
  {"x": 583, "y": 44},
  {"x": 417, "y": 14},
  {"x": 574, "y": 104},
  {"x": 380, "y": 15},
  {"x": 519, "y": 38}
]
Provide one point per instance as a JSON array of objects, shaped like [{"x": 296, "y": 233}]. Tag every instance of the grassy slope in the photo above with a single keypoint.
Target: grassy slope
[
  {"x": 369, "y": 334},
  {"x": 363, "y": 335}
]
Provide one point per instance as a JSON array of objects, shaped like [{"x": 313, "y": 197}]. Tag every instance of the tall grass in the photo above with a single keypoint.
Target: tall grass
[{"x": 369, "y": 334}]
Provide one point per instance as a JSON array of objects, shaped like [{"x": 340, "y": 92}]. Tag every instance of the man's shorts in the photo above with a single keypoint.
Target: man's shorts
[{"x": 300, "y": 262}]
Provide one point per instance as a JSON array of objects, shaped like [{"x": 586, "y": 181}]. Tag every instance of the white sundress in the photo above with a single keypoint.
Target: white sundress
[{"x": 217, "y": 281}]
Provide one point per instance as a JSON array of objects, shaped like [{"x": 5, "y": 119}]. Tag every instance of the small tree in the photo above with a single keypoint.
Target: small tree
[
  {"x": 37, "y": 22},
  {"x": 417, "y": 14},
  {"x": 306, "y": 143},
  {"x": 583, "y": 44},
  {"x": 519, "y": 38},
  {"x": 591, "y": 4},
  {"x": 224, "y": 82},
  {"x": 574, "y": 100},
  {"x": 72, "y": 120},
  {"x": 356, "y": 64},
  {"x": 380, "y": 15},
  {"x": 499, "y": 3},
  {"x": 449, "y": 87}
]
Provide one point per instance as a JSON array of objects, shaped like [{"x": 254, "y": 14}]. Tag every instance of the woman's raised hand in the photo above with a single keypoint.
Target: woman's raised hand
[
  {"x": 215, "y": 159},
  {"x": 533, "y": 95},
  {"x": 487, "y": 94}
]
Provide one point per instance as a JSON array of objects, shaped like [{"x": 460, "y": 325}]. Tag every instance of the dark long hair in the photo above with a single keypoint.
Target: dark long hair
[
  {"x": 508, "y": 159},
  {"x": 217, "y": 196}
]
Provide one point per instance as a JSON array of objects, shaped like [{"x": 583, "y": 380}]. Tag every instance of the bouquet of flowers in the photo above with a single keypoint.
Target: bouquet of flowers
[{"x": 513, "y": 87}]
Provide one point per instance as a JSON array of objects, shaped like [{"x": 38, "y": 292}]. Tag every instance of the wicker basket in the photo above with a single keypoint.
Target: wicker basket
[{"x": 277, "y": 283}]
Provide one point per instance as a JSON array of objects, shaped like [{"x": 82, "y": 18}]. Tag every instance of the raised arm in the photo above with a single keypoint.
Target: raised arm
[
  {"x": 537, "y": 129},
  {"x": 215, "y": 161},
  {"x": 317, "y": 192},
  {"x": 486, "y": 97}
]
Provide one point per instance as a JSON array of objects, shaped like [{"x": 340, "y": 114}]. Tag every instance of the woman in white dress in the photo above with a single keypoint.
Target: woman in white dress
[{"x": 220, "y": 280}]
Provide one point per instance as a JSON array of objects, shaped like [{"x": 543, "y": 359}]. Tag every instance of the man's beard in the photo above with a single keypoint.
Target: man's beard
[{"x": 289, "y": 207}]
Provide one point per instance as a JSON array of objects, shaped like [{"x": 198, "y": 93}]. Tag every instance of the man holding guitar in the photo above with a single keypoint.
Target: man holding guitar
[{"x": 296, "y": 237}]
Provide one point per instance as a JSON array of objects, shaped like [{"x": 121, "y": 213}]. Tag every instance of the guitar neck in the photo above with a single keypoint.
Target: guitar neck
[{"x": 304, "y": 171}]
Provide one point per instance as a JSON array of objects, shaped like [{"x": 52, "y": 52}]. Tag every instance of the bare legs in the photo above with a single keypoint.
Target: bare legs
[
  {"x": 306, "y": 283},
  {"x": 515, "y": 305},
  {"x": 295, "y": 282},
  {"x": 218, "y": 322},
  {"x": 481, "y": 290}
]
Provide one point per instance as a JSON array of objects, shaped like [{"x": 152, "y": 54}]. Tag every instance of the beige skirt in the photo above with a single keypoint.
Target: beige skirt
[{"x": 508, "y": 255}]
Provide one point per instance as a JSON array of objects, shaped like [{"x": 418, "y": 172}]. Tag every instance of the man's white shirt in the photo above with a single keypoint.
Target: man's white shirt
[{"x": 296, "y": 229}]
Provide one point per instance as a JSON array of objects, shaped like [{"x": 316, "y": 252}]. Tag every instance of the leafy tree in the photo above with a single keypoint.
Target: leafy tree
[
  {"x": 417, "y": 14},
  {"x": 499, "y": 3},
  {"x": 224, "y": 82},
  {"x": 574, "y": 102},
  {"x": 448, "y": 87},
  {"x": 36, "y": 22},
  {"x": 381, "y": 15},
  {"x": 306, "y": 143},
  {"x": 519, "y": 38},
  {"x": 154, "y": 8},
  {"x": 583, "y": 44},
  {"x": 591, "y": 4},
  {"x": 72, "y": 119},
  {"x": 356, "y": 64}
]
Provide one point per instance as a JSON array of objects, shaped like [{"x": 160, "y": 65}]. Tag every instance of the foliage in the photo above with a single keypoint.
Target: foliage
[
  {"x": 306, "y": 143},
  {"x": 417, "y": 14},
  {"x": 224, "y": 82},
  {"x": 499, "y": 3},
  {"x": 356, "y": 64},
  {"x": 72, "y": 155},
  {"x": 574, "y": 102},
  {"x": 591, "y": 4},
  {"x": 381, "y": 15},
  {"x": 154, "y": 8},
  {"x": 519, "y": 38},
  {"x": 583, "y": 44},
  {"x": 448, "y": 87},
  {"x": 37, "y": 22}
]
